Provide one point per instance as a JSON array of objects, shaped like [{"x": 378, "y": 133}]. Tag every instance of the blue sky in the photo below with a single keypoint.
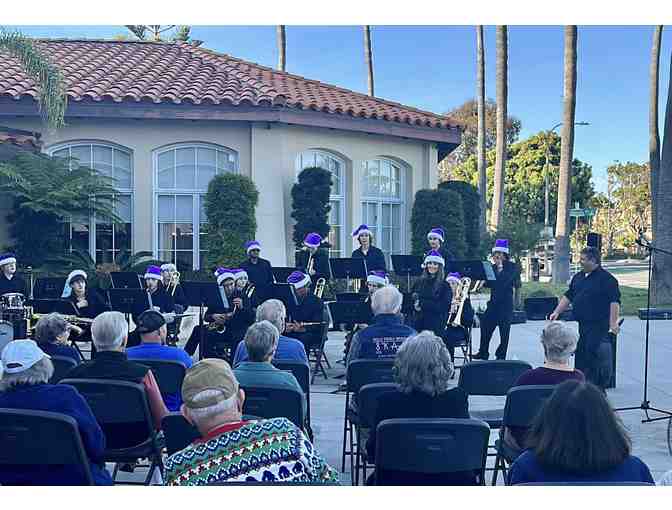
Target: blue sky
[{"x": 434, "y": 68}]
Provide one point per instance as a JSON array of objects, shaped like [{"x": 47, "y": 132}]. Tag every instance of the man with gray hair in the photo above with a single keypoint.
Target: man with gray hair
[
  {"x": 382, "y": 339},
  {"x": 229, "y": 448},
  {"x": 289, "y": 349}
]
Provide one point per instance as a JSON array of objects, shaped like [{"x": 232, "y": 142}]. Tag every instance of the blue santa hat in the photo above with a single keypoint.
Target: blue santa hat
[
  {"x": 153, "y": 273},
  {"x": 501, "y": 245},
  {"x": 377, "y": 278},
  {"x": 74, "y": 275},
  {"x": 7, "y": 258},
  {"x": 298, "y": 279},
  {"x": 362, "y": 229},
  {"x": 222, "y": 274},
  {"x": 252, "y": 245},
  {"x": 436, "y": 233},
  {"x": 313, "y": 240},
  {"x": 434, "y": 256}
]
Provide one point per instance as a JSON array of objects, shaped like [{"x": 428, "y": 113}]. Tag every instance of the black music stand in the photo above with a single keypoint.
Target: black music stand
[
  {"x": 49, "y": 288},
  {"x": 202, "y": 294},
  {"x": 62, "y": 306},
  {"x": 127, "y": 301},
  {"x": 285, "y": 293},
  {"x": 350, "y": 297},
  {"x": 280, "y": 274},
  {"x": 407, "y": 265},
  {"x": 349, "y": 313},
  {"x": 477, "y": 270},
  {"x": 348, "y": 268},
  {"x": 125, "y": 280}
]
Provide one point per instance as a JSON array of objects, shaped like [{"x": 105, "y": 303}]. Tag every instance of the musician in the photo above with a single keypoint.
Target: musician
[
  {"x": 313, "y": 260},
  {"x": 375, "y": 281},
  {"x": 258, "y": 270},
  {"x": 435, "y": 238},
  {"x": 158, "y": 298},
  {"x": 499, "y": 311},
  {"x": 87, "y": 302},
  {"x": 457, "y": 330},
  {"x": 245, "y": 287},
  {"x": 374, "y": 257},
  {"x": 309, "y": 309},
  {"x": 9, "y": 280},
  {"x": 233, "y": 314},
  {"x": 169, "y": 277},
  {"x": 432, "y": 296}
]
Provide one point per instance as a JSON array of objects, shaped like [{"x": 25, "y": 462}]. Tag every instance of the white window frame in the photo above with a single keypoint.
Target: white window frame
[
  {"x": 196, "y": 194},
  {"x": 337, "y": 197},
  {"x": 119, "y": 191}
]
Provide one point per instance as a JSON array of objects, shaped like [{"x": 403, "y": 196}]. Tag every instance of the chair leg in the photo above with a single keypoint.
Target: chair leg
[
  {"x": 115, "y": 471},
  {"x": 345, "y": 432},
  {"x": 498, "y": 462},
  {"x": 352, "y": 450},
  {"x": 357, "y": 457}
]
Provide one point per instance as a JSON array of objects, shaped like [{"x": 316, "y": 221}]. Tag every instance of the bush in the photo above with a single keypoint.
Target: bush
[
  {"x": 471, "y": 210},
  {"x": 438, "y": 208},
  {"x": 310, "y": 203},
  {"x": 230, "y": 207}
]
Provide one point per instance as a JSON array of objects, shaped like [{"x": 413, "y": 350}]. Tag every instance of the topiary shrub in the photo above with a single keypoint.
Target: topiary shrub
[
  {"x": 230, "y": 207},
  {"x": 310, "y": 203},
  {"x": 471, "y": 210},
  {"x": 438, "y": 208}
]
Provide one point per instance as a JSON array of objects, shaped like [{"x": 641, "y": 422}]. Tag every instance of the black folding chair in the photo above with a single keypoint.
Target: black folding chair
[
  {"x": 317, "y": 350},
  {"x": 62, "y": 365},
  {"x": 121, "y": 403},
  {"x": 585, "y": 484},
  {"x": 431, "y": 446},
  {"x": 274, "y": 403},
  {"x": 169, "y": 374},
  {"x": 359, "y": 373},
  {"x": 42, "y": 438},
  {"x": 301, "y": 371},
  {"x": 522, "y": 405}
]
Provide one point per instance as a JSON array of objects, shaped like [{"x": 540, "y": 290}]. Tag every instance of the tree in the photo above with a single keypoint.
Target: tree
[
  {"x": 155, "y": 33},
  {"x": 562, "y": 227},
  {"x": 500, "y": 159},
  {"x": 632, "y": 195},
  {"x": 310, "y": 203},
  {"x": 368, "y": 58},
  {"x": 53, "y": 99},
  {"x": 438, "y": 208},
  {"x": 480, "y": 129},
  {"x": 654, "y": 135},
  {"x": 605, "y": 222},
  {"x": 282, "y": 48}
]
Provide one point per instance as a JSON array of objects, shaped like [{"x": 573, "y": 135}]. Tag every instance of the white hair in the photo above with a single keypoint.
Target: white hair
[
  {"x": 387, "y": 300},
  {"x": 109, "y": 330},
  {"x": 39, "y": 373},
  {"x": 273, "y": 311},
  {"x": 261, "y": 339},
  {"x": 559, "y": 341},
  {"x": 203, "y": 414}
]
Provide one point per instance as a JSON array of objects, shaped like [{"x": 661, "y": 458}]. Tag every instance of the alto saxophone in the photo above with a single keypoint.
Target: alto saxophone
[{"x": 221, "y": 328}]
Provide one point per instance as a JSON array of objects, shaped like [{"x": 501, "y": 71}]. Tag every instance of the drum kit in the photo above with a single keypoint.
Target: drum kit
[{"x": 13, "y": 309}]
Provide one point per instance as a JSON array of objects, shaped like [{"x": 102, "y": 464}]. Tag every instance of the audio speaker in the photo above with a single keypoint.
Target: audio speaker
[{"x": 595, "y": 240}]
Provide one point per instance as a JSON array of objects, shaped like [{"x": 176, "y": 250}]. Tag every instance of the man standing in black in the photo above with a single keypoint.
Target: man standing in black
[
  {"x": 596, "y": 300},
  {"x": 258, "y": 270}
]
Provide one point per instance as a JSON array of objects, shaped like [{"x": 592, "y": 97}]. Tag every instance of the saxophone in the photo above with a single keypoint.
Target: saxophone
[
  {"x": 460, "y": 297},
  {"x": 221, "y": 328}
]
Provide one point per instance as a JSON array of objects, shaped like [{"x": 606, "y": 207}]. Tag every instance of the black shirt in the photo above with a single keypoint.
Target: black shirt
[
  {"x": 375, "y": 259},
  {"x": 94, "y": 304},
  {"x": 260, "y": 274},
  {"x": 16, "y": 284},
  {"x": 434, "y": 305},
  {"x": 237, "y": 325},
  {"x": 501, "y": 289},
  {"x": 310, "y": 309},
  {"x": 159, "y": 298},
  {"x": 592, "y": 294},
  {"x": 320, "y": 264}
]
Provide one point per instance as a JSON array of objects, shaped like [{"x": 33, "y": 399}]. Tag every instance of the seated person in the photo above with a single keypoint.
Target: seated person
[
  {"x": 229, "y": 449},
  {"x": 86, "y": 302},
  {"x": 25, "y": 385},
  {"x": 261, "y": 341},
  {"x": 52, "y": 333},
  {"x": 153, "y": 331},
  {"x": 289, "y": 349},
  {"x": 382, "y": 339},
  {"x": 110, "y": 333},
  {"x": 559, "y": 342},
  {"x": 457, "y": 330},
  {"x": 422, "y": 368},
  {"x": 308, "y": 313},
  {"x": 577, "y": 437}
]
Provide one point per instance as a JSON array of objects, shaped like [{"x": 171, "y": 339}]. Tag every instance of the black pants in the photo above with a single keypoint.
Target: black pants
[
  {"x": 594, "y": 352},
  {"x": 496, "y": 317}
]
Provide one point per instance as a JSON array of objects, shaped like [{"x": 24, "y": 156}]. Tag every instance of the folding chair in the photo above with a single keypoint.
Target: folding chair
[
  {"x": 301, "y": 371},
  {"x": 581, "y": 484},
  {"x": 120, "y": 403},
  {"x": 431, "y": 446},
  {"x": 522, "y": 405},
  {"x": 169, "y": 374},
  {"x": 42, "y": 438},
  {"x": 274, "y": 403},
  {"x": 62, "y": 365},
  {"x": 359, "y": 373},
  {"x": 319, "y": 356}
]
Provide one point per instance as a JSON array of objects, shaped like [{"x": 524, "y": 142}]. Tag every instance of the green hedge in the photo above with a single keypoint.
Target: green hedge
[
  {"x": 471, "y": 210},
  {"x": 310, "y": 203},
  {"x": 438, "y": 208}
]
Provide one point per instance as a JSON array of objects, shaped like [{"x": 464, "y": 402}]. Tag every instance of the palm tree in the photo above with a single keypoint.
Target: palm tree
[
  {"x": 368, "y": 58},
  {"x": 480, "y": 143},
  {"x": 654, "y": 135},
  {"x": 500, "y": 146},
  {"x": 52, "y": 98},
  {"x": 282, "y": 48},
  {"x": 562, "y": 225}
]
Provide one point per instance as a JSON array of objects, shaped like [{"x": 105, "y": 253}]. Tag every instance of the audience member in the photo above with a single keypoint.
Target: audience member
[
  {"x": 422, "y": 368},
  {"x": 232, "y": 450},
  {"x": 52, "y": 333},
  {"x": 289, "y": 349},
  {"x": 153, "y": 330},
  {"x": 25, "y": 385},
  {"x": 578, "y": 437}
]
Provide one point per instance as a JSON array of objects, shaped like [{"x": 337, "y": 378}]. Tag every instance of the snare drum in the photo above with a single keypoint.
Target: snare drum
[{"x": 6, "y": 333}]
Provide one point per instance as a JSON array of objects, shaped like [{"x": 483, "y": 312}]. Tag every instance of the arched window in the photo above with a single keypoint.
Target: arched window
[
  {"x": 326, "y": 160},
  {"x": 102, "y": 239},
  {"x": 181, "y": 176},
  {"x": 383, "y": 203}
]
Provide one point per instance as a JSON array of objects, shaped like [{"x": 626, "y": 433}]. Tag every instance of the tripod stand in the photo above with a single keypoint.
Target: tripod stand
[{"x": 645, "y": 405}]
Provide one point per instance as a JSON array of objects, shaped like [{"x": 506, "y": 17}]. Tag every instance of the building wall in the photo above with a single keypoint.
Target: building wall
[{"x": 266, "y": 152}]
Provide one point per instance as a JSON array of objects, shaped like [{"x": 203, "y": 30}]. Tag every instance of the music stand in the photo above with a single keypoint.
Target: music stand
[
  {"x": 45, "y": 306},
  {"x": 285, "y": 293},
  {"x": 408, "y": 265},
  {"x": 125, "y": 280},
  {"x": 127, "y": 301},
  {"x": 280, "y": 274},
  {"x": 350, "y": 297},
  {"x": 49, "y": 288},
  {"x": 349, "y": 313},
  {"x": 477, "y": 270},
  {"x": 348, "y": 268}
]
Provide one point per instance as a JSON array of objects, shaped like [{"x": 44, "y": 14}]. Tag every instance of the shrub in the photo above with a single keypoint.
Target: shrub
[
  {"x": 310, "y": 203},
  {"x": 438, "y": 208},
  {"x": 471, "y": 210}
]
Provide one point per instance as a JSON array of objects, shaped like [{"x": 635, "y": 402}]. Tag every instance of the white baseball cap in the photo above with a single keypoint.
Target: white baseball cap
[{"x": 20, "y": 355}]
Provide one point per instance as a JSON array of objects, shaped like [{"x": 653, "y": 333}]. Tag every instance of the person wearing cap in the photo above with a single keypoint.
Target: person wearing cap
[
  {"x": 312, "y": 259},
  {"x": 374, "y": 257},
  {"x": 436, "y": 241},
  {"x": 499, "y": 311},
  {"x": 458, "y": 334},
  {"x": 153, "y": 331},
  {"x": 87, "y": 302},
  {"x": 168, "y": 273},
  {"x": 230, "y": 448},
  {"x": 432, "y": 296},
  {"x": 244, "y": 287},
  {"x": 26, "y": 371},
  {"x": 158, "y": 300},
  {"x": 52, "y": 333},
  {"x": 10, "y": 281},
  {"x": 258, "y": 270},
  {"x": 309, "y": 309}
]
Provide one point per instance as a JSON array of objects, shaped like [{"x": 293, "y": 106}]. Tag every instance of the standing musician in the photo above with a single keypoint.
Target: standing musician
[
  {"x": 228, "y": 320},
  {"x": 159, "y": 300},
  {"x": 457, "y": 330},
  {"x": 435, "y": 238},
  {"x": 374, "y": 281},
  {"x": 313, "y": 260},
  {"x": 375, "y": 259},
  {"x": 258, "y": 270},
  {"x": 499, "y": 311},
  {"x": 310, "y": 309},
  {"x": 171, "y": 282},
  {"x": 87, "y": 302},
  {"x": 10, "y": 282},
  {"x": 432, "y": 296}
]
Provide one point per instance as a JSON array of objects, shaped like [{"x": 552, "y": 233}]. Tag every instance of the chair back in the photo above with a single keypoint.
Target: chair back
[
  {"x": 169, "y": 374},
  {"x": 367, "y": 397},
  {"x": 492, "y": 378},
  {"x": 42, "y": 438},
  {"x": 301, "y": 371},
  {"x": 431, "y": 446},
  {"x": 523, "y": 403},
  {"x": 274, "y": 403},
  {"x": 368, "y": 371},
  {"x": 62, "y": 365},
  {"x": 179, "y": 433}
]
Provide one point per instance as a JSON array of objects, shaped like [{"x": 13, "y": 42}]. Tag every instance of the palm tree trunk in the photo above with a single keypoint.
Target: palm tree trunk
[
  {"x": 654, "y": 135},
  {"x": 480, "y": 142},
  {"x": 500, "y": 148},
  {"x": 368, "y": 58},
  {"x": 561, "y": 258},
  {"x": 282, "y": 48}
]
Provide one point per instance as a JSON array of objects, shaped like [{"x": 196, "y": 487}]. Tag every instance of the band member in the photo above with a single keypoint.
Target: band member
[
  {"x": 457, "y": 330},
  {"x": 228, "y": 320},
  {"x": 9, "y": 280},
  {"x": 375, "y": 259},
  {"x": 245, "y": 287},
  {"x": 309, "y": 309},
  {"x": 374, "y": 281},
  {"x": 86, "y": 303},
  {"x": 158, "y": 299},
  {"x": 595, "y": 299},
  {"x": 258, "y": 270},
  {"x": 170, "y": 279},
  {"x": 432, "y": 296},
  {"x": 313, "y": 260},
  {"x": 436, "y": 240},
  {"x": 499, "y": 311}
]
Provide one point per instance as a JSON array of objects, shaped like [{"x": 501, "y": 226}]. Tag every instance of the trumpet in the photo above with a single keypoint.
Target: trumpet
[{"x": 319, "y": 287}]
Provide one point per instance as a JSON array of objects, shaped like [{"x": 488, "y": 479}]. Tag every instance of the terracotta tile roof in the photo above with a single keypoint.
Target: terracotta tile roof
[{"x": 179, "y": 73}]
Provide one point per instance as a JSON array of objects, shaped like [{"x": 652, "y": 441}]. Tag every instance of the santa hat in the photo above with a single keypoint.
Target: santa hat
[
  {"x": 223, "y": 274},
  {"x": 436, "y": 233},
  {"x": 74, "y": 275},
  {"x": 501, "y": 245},
  {"x": 7, "y": 258},
  {"x": 313, "y": 240},
  {"x": 239, "y": 273},
  {"x": 434, "y": 256},
  {"x": 377, "y": 278},
  {"x": 252, "y": 245},
  {"x": 362, "y": 229},
  {"x": 153, "y": 273},
  {"x": 298, "y": 279},
  {"x": 168, "y": 267},
  {"x": 453, "y": 277}
]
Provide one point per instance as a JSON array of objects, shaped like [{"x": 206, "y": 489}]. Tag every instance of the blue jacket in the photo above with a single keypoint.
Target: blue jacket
[
  {"x": 56, "y": 398},
  {"x": 289, "y": 349},
  {"x": 380, "y": 340}
]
